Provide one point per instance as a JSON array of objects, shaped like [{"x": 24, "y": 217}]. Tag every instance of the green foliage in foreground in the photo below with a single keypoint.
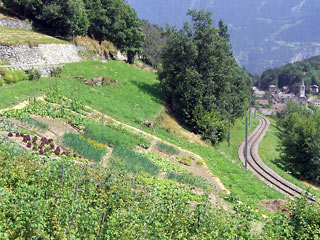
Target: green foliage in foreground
[
  {"x": 84, "y": 146},
  {"x": 57, "y": 199}
]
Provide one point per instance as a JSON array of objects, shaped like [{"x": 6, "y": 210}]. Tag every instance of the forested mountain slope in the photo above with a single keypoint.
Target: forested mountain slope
[
  {"x": 264, "y": 33},
  {"x": 292, "y": 75}
]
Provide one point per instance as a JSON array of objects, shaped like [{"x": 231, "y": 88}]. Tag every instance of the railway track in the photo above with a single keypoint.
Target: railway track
[{"x": 261, "y": 170}]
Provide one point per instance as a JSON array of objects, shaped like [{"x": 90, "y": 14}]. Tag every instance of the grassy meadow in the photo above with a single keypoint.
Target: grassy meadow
[
  {"x": 15, "y": 36},
  {"x": 135, "y": 99}
]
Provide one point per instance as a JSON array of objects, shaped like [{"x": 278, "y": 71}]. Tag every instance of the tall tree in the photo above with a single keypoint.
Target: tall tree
[
  {"x": 115, "y": 21},
  {"x": 201, "y": 78}
]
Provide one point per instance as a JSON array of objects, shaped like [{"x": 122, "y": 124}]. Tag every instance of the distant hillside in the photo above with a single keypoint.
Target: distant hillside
[
  {"x": 292, "y": 74},
  {"x": 264, "y": 33}
]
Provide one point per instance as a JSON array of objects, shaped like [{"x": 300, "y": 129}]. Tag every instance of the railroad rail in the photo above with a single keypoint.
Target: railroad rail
[{"x": 260, "y": 169}]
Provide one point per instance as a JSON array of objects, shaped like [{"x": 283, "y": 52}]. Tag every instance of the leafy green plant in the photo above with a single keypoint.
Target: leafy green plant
[
  {"x": 33, "y": 74},
  {"x": 163, "y": 163},
  {"x": 167, "y": 148},
  {"x": 1, "y": 82},
  {"x": 56, "y": 72},
  {"x": 14, "y": 76}
]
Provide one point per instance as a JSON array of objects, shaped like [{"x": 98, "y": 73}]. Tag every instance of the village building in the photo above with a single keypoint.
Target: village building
[
  {"x": 272, "y": 89},
  {"x": 314, "y": 89},
  {"x": 262, "y": 102}
]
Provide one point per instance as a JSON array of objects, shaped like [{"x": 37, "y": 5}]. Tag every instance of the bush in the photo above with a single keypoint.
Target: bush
[
  {"x": 1, "y": 82},
  {"x": 34, "y": 74},
  {"x": 15, "y": 76},
  {"x": 56, "y": 72}
]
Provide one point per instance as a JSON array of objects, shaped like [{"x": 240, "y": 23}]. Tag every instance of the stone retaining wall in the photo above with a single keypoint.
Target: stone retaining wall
[
  {"x": 45, "y": 69},
  {"x": 42, "y": 54},
  {"x": 15, "y": 23},
  {"x": 44, "y": 57}
]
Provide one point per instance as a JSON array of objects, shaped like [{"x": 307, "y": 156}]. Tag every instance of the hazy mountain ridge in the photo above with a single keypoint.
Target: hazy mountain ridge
[{"x": 264, "y": 33}]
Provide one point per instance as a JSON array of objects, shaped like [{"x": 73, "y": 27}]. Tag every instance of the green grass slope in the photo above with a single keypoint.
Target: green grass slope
[{"x": 137, "y": 98}]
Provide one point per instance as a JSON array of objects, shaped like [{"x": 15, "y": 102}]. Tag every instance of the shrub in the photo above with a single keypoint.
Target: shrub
[
  {"x": 4, "y": 62},
  {"x": 15, "y": 76},
  {"x": 201, "y": 162},
  {"x": 56, "y": 72},
  {"x": 167, "y": 148},
  {"x": 1, "y": 82},
  {"x": 34, "y": 74}
]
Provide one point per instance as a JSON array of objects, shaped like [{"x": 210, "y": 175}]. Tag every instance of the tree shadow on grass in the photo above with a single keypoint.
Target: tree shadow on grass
[{"x": 152, "y": 90}]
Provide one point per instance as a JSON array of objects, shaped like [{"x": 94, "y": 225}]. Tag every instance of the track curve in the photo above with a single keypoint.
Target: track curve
[{"x": 260, "y": 169}]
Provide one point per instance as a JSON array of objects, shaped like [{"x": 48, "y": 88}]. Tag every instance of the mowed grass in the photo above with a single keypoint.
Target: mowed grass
[
  {"x": 270, "y": 154},
  {"x": 136, "y": 99},
  {"x": 15, "y": 36}
]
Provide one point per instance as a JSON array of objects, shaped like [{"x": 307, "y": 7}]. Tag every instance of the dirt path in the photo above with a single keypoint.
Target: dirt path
[{"x": 57, "y": 128}]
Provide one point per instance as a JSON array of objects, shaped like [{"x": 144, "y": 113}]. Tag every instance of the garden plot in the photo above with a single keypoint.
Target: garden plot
[{"x": 65, "y": 127}]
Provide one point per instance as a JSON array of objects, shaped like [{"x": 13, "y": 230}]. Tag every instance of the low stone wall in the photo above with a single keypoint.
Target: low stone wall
[
  {"x": 15, "y": 23},
  {"x": 42, "y": 54},
  {"x": 45, "y": 69}
]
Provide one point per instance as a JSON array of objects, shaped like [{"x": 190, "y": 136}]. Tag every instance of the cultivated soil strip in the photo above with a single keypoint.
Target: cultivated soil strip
[{"x": 58, "y": 128}]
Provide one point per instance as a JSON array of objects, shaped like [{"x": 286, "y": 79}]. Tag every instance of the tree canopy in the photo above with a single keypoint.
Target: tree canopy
[
  {"x": 292, "y": 74},
  {"x": 300, "y": 142},
  {"x": 111, "y": 20},
  {"x": 202, "y": 82}
]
